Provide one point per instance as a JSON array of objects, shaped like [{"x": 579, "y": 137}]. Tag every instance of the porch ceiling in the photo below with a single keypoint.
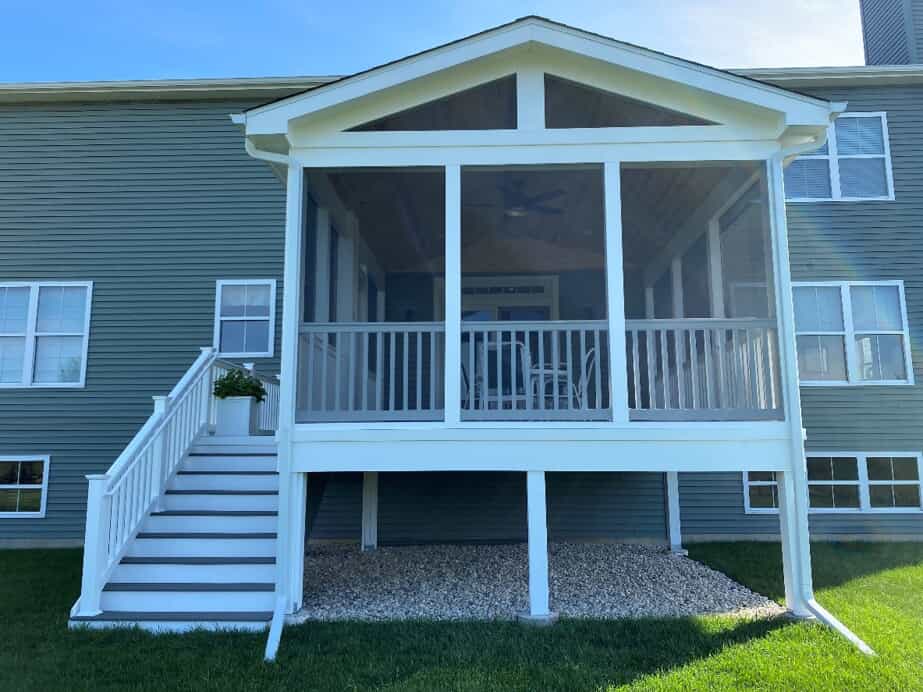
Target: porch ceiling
[{"x": 400, "y": 214}]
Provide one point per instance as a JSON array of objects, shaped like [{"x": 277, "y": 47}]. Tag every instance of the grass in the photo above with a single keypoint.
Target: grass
[{"x": 876, "y": 589}]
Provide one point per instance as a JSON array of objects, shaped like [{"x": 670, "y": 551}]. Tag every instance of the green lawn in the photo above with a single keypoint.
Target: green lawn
[{"x": 876, "y": 589}]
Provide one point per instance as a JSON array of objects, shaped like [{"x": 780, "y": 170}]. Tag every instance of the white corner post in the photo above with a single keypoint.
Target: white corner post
[
  {"x": 161, "y": 404},
  {"x": 615, "y": 291},
  {"x": 291, "y": 527},
  {"x": 793, "y": 492},
  {"x": 452, "y": 379},
  {"x": 715, "y": 269},
  {"x": 95, "y": 544},
  {"x": 793, "y": 482},
  {"x": 369, "y": 510},
  {"x": 539, "y": 611}
]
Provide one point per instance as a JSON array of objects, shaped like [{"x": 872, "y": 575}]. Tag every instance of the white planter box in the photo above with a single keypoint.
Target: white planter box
[{"x": 236, "y": 416}]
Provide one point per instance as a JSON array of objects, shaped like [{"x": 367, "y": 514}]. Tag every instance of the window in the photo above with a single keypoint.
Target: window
[
  {"x": 854, "y": 164},
  {"x": 23, "y": 486},
  {"x": 44, "y": 334},
  {"x": 852, "y": 333},
  {"x": 245, "y": 315},
  {"x": 846, "y": 482}
]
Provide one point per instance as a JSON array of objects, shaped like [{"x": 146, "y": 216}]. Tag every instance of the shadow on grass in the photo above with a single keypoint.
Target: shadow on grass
[
  {"x": 758, "y": 565},
  {"x": 574, "y": 654},
  {"x": 38, "y": 587}
]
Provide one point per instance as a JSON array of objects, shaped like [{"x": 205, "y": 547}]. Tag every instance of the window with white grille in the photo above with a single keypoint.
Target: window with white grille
[
  {"x": 854, "y": 164},
  {"x": 245, "y": 312}
]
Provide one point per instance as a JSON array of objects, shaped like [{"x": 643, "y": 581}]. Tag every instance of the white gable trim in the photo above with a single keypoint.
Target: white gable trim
[{"x": 799, "y": 109}]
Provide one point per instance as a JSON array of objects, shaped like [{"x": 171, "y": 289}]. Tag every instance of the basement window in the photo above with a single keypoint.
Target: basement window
[
  {"x": 23, "y": 486},
  {"x": 847, "y": 482}
]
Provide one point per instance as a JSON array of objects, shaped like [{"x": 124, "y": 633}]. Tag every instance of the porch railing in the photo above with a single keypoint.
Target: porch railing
[
  {"x": 703, "y": 369},
  {"x": 370, "y": 371},
  {"x": 119, "y": 500},
  {"x": 543, "y": 370}
]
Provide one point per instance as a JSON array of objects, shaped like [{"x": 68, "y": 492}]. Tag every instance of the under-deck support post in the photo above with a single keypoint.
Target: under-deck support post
[
  {"x": 369, "y": 510},
  {"x": 673, "y": 516},
  {"x": 539, "y": 612}
]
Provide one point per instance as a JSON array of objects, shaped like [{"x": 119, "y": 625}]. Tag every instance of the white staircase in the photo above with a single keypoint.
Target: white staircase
[{"x": 205, "y": 557}]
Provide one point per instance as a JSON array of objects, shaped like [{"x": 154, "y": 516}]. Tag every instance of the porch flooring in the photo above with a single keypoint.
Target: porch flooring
[{"x": 485, "y": 582}]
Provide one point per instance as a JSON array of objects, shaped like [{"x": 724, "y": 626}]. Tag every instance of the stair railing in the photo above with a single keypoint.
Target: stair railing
[{"x": 120, "y": 499}]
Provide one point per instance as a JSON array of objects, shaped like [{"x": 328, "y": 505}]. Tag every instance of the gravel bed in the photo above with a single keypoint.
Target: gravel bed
[{"x": 486, "y": 582}]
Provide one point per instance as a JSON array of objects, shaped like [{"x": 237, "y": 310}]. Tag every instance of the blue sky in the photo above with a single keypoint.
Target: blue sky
[{"x": 66, "y": 40}]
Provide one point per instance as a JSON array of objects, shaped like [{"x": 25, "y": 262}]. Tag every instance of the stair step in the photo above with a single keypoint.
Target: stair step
[
  {"x": 176, "y": 621},
  {"x": 213, "y": 522},
  {"x": 190, "y": 586},
  {"x": 190, "y": 598},
  {"x": 216, "y": 463},
  {"x": 203, "y": 544},
  {"x": 173, "y": 569},
  {"x": 221, "y": 501},
  {"x": 225, "y": 481}
]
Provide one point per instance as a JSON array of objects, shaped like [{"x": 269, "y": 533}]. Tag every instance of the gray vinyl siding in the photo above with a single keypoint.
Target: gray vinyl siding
[
  {"x": 712, "y": 507},
  {"x": 152, "y": 202},
  {"x": 886, "y": 30},
  {"x": 832, "y": 241},
  {"x": 491, "y": 507}
]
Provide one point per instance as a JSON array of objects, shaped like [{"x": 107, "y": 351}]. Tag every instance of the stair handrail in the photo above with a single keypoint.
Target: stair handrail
[{"x": 119, "y": 499}]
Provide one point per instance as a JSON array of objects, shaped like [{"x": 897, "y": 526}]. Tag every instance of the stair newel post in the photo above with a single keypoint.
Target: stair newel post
[
  {"x": 208, "y": 399},
  {"x": 159, "y": 454},
  {"x": 96, "y": 544}
]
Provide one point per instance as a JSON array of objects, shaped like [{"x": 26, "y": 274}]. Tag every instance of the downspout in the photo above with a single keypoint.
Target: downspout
[
  {"x": 278, "y": 614},
  {"x": 815, "y": 608}
]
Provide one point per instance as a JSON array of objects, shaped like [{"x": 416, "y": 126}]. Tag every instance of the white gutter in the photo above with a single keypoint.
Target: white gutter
[{"x": 251, "y": 148}]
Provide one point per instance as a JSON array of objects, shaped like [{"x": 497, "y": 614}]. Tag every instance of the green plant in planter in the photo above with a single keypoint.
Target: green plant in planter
[{"x": 239, "y": 383}]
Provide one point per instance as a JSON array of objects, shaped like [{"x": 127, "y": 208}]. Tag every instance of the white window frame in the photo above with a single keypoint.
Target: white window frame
[
  {"x": 833, "y": 168},
  {"x": 31, "y": 334},
  {"x": 46, "y": 460},
  {"x": 271, "y": 342},
  {"x": 849, "y": 335},
  {"x": 863, "y": 482}
]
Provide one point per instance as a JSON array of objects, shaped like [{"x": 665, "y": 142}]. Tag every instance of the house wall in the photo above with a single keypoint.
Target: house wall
[
  {"x": 489, "y": 507},
  {"x": 887, "y": 31},
  {"x": 831, "y": 241},
  {"x": 153, "y": 202}
]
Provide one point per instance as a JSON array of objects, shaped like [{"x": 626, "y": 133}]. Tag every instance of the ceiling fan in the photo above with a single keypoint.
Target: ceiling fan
[{"x": 516, "y": 203}]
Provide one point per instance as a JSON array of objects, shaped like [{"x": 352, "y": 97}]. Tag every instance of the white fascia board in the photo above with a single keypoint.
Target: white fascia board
[{"x": 798, "y": 108}]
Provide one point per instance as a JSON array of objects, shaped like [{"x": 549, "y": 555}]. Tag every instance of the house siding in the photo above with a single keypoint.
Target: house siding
[
  {"x": 491, "y": 507},
  {"x": 834, "y": 241},
  {"x": 887, "y": 33},
  {"x": 152, "y": 202}
]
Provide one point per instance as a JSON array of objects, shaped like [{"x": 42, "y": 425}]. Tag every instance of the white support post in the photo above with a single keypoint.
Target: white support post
[
  {"x": 649, "y": 302},
  {"x": 369, "y": 510},
  {"x": 793, "y": 483},
  {"x": 676, "y": 276},
  {"x": 346, "y": 280},
  {"x": 715, "y": 269},
  {"x": 530, "y": 99},
  {"x": 161, "y": 405},
  {"x": 539, "y": 611},
  {"x": 290, "y": 542},
  {"x": 382, "y": 304},
  {"x": 673, "y": 513},
  {"x": 615, "y": 291},
  {"x": 95, "y": 546},
  {"x": 452, "y": 378}
]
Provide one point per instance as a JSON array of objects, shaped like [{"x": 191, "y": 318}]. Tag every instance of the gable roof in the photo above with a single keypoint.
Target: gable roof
[{"x": 534, "y": 29}]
